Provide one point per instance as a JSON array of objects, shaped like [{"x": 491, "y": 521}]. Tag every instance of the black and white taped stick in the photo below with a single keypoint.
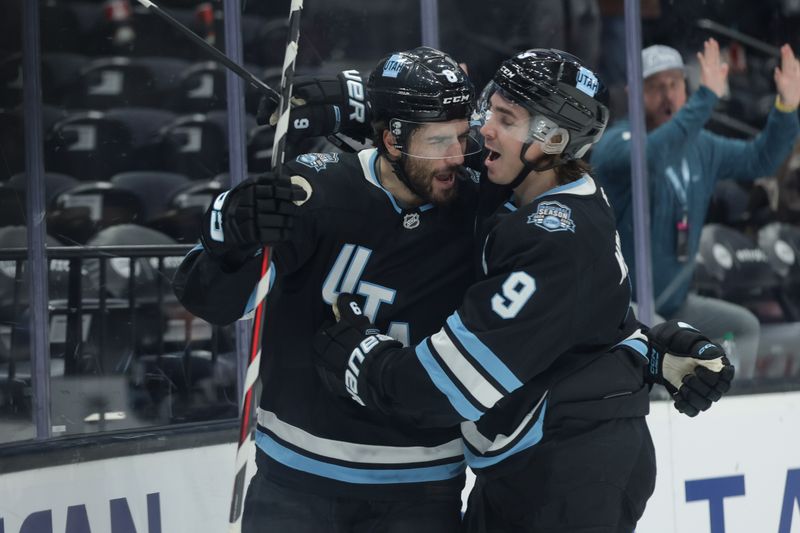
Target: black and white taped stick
[
  {"x": 251, "y": 375},
  {"x": 242, "y": 72}
]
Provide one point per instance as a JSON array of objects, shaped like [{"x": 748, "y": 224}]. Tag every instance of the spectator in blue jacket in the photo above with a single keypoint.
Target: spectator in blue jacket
[{"x": 684, "y": 162}]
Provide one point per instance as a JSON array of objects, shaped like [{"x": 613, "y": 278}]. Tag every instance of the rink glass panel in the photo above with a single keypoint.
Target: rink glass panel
[
  {"x": 16, "y": 420},
  {"x": 135, "y": 148},
  {"x": 484, "y": 34},
  {"x": 135, "y": 137}
]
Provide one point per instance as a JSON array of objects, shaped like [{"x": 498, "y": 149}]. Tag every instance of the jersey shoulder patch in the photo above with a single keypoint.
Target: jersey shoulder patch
[
  {"x": 318, "y": 161},
  {"x": 552, "y": 216}
]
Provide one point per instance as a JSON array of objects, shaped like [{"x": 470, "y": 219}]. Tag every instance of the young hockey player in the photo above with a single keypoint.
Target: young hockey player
[
  {"x": 394, "y": 224},
  {"x": 551, "y": 414}
]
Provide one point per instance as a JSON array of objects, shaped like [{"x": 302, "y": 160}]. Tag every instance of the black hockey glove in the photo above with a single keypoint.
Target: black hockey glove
[
  {"x": 691, "y": 367},
  {"x": 255, "y": 213},
  {"x": 349, "y": 351},
  {"x": 323, "y": 106}
]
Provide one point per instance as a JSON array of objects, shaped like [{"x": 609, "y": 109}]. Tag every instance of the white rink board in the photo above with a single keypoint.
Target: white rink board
[
  {"x": 754, "y": 439},
  {"x": 192, "y": 491},
  {"x": 749, "y": 440}
]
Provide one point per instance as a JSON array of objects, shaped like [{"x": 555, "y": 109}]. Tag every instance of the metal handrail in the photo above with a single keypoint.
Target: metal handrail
[{"x": 91, "y": 252}]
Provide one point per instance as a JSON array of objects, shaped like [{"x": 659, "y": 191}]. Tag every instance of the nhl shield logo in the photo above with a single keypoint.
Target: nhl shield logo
[
  {"x": 552, "y": 216},
  {"x": 411, "y": 220}
]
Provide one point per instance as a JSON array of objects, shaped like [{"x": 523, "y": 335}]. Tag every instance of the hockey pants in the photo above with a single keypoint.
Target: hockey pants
[
  {"x": 590, "y": 476},
  {"x": 271, "y": 508}
]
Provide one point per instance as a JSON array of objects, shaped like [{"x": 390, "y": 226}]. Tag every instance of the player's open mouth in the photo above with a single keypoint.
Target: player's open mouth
[
  {"x": 445, "y": 177},
  {"x": 493, "y": 156}
]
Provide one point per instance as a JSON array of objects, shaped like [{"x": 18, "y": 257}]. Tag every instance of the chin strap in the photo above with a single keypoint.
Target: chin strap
[
  {"x": 398, "y": 166},
  {"x": 545, "y": 162}
]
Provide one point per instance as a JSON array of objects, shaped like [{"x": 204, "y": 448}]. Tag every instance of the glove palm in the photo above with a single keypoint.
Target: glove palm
[{"x": 691, "y": 367}]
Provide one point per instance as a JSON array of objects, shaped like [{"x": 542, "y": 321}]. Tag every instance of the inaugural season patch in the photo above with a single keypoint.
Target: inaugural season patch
[
  {"x": 317, "y": 161},
  {"x": 553, "y": 216}
]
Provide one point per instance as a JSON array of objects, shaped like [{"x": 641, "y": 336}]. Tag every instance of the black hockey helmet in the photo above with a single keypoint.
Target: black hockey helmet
[
  {"x": 554, "y": 86},
  {"x": 419, "y": 85},
  {"x": 410, "y": 89}
]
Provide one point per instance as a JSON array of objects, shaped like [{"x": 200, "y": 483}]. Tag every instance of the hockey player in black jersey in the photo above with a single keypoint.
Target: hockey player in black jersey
[
  {"x": 393, "y": 224},
  {"x": 542, "y": 364}
]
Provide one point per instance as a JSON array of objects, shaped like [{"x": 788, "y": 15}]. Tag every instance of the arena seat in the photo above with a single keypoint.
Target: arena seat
[
  {"x": 155, "y": 189},
  {"x": 88, "y": 146},
  {"x": 54, "y": 184},
  {"x": 183, "y": 218},
  {"x": 95, "y": 145},
  {"x": 12, "y": 206},
  {"x": 80, "y": 212},
  {"x": 125, "y": 82},
  {"x": 12, "y": 140},
  {"x": 61, "y": 72},
  {"x": 196, "y": 145},
  {"x": 11, "y": 79}
]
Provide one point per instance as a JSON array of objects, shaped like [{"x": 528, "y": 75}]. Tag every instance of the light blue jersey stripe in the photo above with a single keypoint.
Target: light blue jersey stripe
[
  {"x": 531, "y": 438},
  {"x": 564, "y": 188},
  {"x": 346, "y": 474},
  {"x": 445, "y": 384},
  {"x": 487, "y": 359},
  {"x": 638, "y": 346}
]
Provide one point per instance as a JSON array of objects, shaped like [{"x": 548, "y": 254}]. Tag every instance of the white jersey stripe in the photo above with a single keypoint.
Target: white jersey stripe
[
  {"x": 355, "y": 452},
  {"x": 483, "y": 445},
  {"x": 473, "y": 381}
]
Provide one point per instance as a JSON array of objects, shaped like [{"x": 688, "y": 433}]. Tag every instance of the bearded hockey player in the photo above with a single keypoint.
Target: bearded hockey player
[
  {"x": 551, "y": 413},
  {"x": 393, "y": 224}
]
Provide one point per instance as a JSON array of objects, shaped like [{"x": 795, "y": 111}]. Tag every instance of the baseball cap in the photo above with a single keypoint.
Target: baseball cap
[{"x": 658, "y": 58}]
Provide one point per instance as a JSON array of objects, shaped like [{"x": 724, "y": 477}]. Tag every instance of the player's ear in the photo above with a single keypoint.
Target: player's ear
[{"x": 390, "y": 143}]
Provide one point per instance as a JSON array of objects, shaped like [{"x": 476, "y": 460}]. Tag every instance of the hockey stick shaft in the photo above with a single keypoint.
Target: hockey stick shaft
[
  {"x": 743, "y": 38},
  {"x": 251, "y": 375},
  {"x": 242, "y": 72}
]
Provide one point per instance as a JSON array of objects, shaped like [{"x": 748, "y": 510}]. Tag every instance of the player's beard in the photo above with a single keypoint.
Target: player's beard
[{"x": 421, "y": 173}]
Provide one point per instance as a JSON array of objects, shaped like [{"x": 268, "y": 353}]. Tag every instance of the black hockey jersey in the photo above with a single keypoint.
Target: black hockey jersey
[
  {"x": 411, "y": 266},
  {"x": 531, "y": 336}
]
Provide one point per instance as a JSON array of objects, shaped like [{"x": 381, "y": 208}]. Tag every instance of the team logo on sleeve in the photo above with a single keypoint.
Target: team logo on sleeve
[
  {"x": 552, "y": 216},
  {"x": 317, "y": 161}
]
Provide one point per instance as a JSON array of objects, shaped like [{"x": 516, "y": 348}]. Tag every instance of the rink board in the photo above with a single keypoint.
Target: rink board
[{"x": 735, "y": 469}]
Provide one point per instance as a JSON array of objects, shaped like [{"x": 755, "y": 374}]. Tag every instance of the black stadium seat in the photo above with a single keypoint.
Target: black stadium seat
[
  {"x": 196, "y": 145},
  {"x": 182, "y": 221},
  {"x": 78, "y": 213},
  {"x": 12, "y": 143},
  {"x": 54, "y": 184},
  {"x": 88, "y": 146},
  {"x": 202, "y": 88},
  {"x": 155, "y": 189},
  {"x": 60, "y": 74},
  {"x": 10, "y": 302},
  {"x": 155, "y": 37},
  {"x": 124, "y": 81},
  {"x": 11, "y": 79},
  {"x": 95, "y": 145},
  {"x": 118, "y": 274},
  {"x": 12, "y": 206}
]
